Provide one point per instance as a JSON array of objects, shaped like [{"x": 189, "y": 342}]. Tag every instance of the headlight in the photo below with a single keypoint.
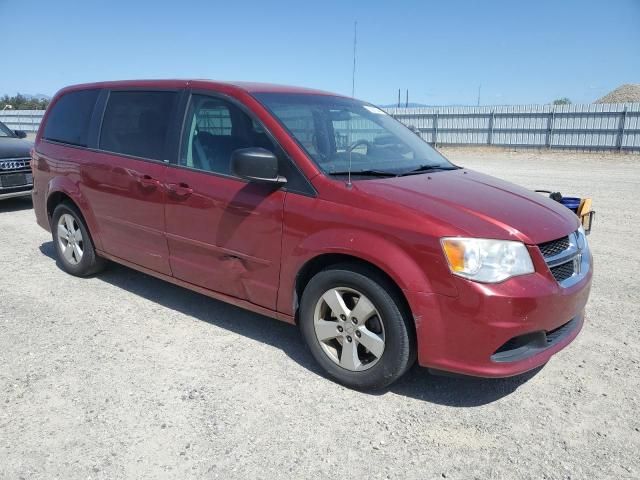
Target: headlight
[{"x": 484, "y": 260}]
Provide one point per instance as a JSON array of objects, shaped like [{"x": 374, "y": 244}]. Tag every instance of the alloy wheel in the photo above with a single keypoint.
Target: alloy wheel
[
  {"x": 70, "y": 239},
  {"x": 349, "y": 329}
]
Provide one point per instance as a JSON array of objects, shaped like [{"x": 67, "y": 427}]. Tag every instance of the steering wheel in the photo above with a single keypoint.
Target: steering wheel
[{"x": 357, "y": 143}]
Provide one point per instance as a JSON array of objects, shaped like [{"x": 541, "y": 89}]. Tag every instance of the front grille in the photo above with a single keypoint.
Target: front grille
[
  {"x": 10, "y": 164},
  {"x": 554, "y": 247},
  {"x": 564, "y": 271},
  {"x": 565, "y": 258}
]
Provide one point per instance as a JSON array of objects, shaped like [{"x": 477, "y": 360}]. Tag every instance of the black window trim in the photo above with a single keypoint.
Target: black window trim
[
  {"x": 177, "y": 124},
  {"x": 175, "y": 112},
  {"x": 89, "y": 129},
  {"x": 189, "y": 93},
  {"x": 97, "y": 117}
]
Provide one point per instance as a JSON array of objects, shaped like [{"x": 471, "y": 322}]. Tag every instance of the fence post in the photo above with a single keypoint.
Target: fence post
[
  {"x": 435, "y": 129},
  {"x": 491, "y": 120},
  {"x": 621, "y": 125},
  {"x": 550, "y": 121}
]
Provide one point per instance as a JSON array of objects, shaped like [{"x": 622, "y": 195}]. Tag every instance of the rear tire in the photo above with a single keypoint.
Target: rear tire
[
  {"x": 73, "y": 243},
  {"x": 356, "y": 326}
]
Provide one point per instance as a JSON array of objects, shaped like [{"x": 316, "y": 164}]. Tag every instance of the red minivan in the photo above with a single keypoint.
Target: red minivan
[{"x": 316, "y": 209}]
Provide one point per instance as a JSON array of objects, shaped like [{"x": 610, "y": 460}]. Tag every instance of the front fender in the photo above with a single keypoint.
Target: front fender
[
  {"x": 65, "y": 185},
  {"x": 384, "y": 254}
]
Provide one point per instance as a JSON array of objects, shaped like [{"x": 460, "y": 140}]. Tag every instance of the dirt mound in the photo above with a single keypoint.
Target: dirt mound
[{"x": 627, "y": 93}]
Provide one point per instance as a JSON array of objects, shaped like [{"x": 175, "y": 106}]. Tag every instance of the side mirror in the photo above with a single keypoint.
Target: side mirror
[
  {"x": 20, "y": 133},
  {"x": 256, "y": 165}
]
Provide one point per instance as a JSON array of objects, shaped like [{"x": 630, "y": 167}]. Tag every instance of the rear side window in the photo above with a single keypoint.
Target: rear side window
[
  {"x": 70, "y": 117},
  {"x": 137, "y": 123}
]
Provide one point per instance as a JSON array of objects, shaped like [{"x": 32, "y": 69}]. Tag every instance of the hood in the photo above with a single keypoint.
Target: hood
[
  {"x": 14, "y": 147},
  {"x": 464, "y": 202}
]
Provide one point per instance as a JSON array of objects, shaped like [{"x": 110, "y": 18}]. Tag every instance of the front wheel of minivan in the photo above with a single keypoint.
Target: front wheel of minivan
[
  {"x": 355, "y": 324},
  {"x": 72, "y": 242}
]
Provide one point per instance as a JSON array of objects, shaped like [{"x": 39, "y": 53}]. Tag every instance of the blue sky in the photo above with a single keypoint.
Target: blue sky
[{"x": 520, "y": 52}]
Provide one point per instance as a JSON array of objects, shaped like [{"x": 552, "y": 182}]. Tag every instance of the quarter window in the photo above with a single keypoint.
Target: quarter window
[
  {"x": 137, "y": 123},
  {"x": 70, "y": 117}
]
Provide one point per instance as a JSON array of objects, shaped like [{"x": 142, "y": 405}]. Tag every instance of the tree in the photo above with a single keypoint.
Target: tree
[
  {"x": 562, "y": 101},
  {"x": 22, "y": 102}
]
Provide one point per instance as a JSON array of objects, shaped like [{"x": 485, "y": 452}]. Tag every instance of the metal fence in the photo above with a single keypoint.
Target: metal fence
[
  {"x": 26, "y": 120},
  {"x": 590, "y": 126}
]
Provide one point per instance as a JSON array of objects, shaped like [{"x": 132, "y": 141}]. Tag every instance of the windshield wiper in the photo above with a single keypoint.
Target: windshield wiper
[
  {"x": 370, "y": 173},
  {"x": 426, "y": 168}
]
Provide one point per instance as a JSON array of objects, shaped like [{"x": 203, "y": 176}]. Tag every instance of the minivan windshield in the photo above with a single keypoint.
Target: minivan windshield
[{"x": 342, "y": 134}]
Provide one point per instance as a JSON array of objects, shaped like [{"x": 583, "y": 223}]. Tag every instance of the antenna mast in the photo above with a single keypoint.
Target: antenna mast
[
  {"x": 353, "y": 73},
  {"x": 353, "y": 93}
]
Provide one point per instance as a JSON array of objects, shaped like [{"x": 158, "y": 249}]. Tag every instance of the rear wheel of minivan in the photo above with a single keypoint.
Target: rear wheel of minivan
[
  {"x": 357, "y": 327},
  {"x": 72, "y": 242}
]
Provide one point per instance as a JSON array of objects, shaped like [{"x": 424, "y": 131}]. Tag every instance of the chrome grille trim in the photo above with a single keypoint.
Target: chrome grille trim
[
  {"x": 570, "y": 265},
  {"x": 7, "y": 164}
]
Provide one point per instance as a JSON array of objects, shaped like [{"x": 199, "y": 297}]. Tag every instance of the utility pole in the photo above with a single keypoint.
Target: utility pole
[
  {"x": 406, "y": 102},
  {"x": 398, "y": 98},
  {"x": 479, "y": 90}
]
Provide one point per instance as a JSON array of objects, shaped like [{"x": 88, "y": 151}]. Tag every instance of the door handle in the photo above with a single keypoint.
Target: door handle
[
  {"x": 180, "y": 190},
  {"x": 148, "y": 181}
]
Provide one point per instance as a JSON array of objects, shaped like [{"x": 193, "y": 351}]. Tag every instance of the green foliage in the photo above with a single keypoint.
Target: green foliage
[
  {"x": 562, "y": 101},
  {"x": 21, "y": 102}
]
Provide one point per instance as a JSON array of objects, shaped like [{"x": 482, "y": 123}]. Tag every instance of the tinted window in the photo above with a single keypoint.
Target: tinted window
[
  {"x": 137, "y": 123},
  {"x": 214, "y": 129},
  {"x": 70, "y": 117}
]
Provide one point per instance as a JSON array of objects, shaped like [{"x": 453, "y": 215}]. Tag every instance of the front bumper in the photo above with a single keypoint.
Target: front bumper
[
  {"x": 16, "y": 179},
  {"x": 13, "y": 194},
  {"x": 498, "y": 330}
]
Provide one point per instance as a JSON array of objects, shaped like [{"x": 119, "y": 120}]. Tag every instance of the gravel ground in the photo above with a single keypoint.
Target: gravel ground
[{"x": 124, "y": 376}]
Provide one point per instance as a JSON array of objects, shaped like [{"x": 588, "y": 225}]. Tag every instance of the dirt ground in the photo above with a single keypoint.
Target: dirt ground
[{"x": 124, "y": 376}]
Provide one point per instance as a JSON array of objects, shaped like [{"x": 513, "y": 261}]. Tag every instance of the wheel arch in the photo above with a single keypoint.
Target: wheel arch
[
  {"x": 56, "y": 198},
  {"x": 61, "y": 190},
  {"x": 327, "y": 260},
  {"x": 337, "y": 245}
]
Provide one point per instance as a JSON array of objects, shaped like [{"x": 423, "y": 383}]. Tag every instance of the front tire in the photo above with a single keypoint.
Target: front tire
[
  {"x": 73, "y": 243},
  {"x": 356, "y": 326}
]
